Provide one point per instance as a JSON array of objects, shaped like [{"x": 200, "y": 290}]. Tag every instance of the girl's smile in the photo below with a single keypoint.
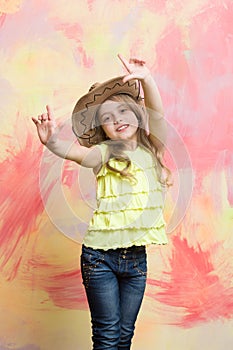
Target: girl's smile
[
  {"x": 118, "y": 121},
  {"x": 122, "y": 127}
]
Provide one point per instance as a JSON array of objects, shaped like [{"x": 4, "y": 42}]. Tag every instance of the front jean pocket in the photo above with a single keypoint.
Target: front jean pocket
[
  {"x": 140, "y": 265},
  {"x": 90, "y": 260}
]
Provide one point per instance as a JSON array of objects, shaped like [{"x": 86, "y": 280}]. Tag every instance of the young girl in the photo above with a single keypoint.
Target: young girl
[{"x": 122, "y": 139}]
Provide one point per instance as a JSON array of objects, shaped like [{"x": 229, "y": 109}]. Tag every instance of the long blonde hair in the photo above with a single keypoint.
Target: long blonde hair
[{"x": 116, "y": 148}]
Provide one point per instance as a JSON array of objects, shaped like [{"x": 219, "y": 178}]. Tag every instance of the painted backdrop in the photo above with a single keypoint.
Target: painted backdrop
[{"x": 50, "y": 53}]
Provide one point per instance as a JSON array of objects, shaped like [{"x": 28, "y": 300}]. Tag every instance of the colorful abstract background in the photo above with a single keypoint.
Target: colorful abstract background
[{"x": 50, "y": 53}]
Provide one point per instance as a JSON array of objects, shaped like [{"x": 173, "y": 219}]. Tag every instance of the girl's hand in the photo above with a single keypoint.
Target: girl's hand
[
  {"x": 46, "y": 125},
  {"x": 136, "y": 69}
]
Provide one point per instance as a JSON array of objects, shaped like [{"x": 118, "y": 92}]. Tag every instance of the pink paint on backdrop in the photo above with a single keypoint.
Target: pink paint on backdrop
[
  {"x": 66, "y": 290},
  {"x": 40, "y": 28},
  {"x": 229, "y": 177},
  {"x": 70, "y": 175},
  {"x": 20, "y": 203},
  {"x": 90, "y": 4},
  {"x": 192, "y": 289},
  {"x": 2, "y": 19},
  {"x": 198, "y": 89},
  {"x": 155, "y": 5},
  {"x": 75, "y": 32},
  {"x": 62, "y": 284},
  {"x": 171, "y": 44}
]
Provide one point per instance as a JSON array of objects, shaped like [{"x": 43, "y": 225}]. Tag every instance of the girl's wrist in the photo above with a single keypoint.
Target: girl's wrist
[
  {"x": 51, "y": 141},
  {"x": 148, "y": 80}
]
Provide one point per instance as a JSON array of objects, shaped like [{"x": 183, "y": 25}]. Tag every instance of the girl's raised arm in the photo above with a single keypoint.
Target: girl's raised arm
[
  {"x": 49, "y": 136},
  {"x": 157, "y": 125}
]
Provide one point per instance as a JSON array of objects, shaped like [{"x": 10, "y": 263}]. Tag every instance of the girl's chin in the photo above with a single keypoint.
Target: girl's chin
[{"x": 126, "y": 139}]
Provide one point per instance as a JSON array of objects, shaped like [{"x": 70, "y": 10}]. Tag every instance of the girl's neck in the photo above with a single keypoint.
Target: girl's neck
[{"x": 130, "y": 145}]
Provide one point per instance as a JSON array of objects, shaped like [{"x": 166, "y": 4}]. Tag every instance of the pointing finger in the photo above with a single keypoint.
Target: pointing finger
[
  {"x": 50, "y": 112},
  {"x": 125, "y": 62}
]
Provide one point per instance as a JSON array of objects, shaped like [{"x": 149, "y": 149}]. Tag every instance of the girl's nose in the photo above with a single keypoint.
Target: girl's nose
[{"x": 117, "y": 120}]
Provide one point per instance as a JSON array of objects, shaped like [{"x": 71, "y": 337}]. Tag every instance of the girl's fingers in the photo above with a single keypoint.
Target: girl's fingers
[
  {"x": 131, "y": 67},
  {"x": 44, "y": 117},
  {"x": 40, "y": 119},
  {"x": 137, "y": 61},
  {"x": 129, "y": 77},
  {"x": 35, "y": 121},
  {"x": 49, "y": 112}
]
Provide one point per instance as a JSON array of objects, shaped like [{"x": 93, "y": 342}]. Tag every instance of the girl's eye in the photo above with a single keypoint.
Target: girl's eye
[
  {"x": 106, "y": 120},
  {"x": 123, "y": 110}
]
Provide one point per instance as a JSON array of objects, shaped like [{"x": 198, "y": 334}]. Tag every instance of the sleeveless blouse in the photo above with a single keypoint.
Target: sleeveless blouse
[{"x": 129, "y": 211}]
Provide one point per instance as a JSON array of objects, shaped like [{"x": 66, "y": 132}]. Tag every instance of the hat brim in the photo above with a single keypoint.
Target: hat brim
[{"x": 85, "y": 109}]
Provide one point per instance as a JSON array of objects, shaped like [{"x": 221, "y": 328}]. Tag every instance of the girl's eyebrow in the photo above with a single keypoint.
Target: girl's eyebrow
[{"x": 122, "y": 105}]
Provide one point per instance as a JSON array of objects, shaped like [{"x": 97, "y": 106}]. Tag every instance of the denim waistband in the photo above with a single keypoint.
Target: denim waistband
[{"x": 131, "y": 249}]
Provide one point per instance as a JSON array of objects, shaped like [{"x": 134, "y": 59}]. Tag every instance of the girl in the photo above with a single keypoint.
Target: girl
[{"x": 122, "y": 141}]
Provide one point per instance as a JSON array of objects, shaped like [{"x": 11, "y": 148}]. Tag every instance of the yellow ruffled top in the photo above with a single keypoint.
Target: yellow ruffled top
[{"x": 129, "y": 211}]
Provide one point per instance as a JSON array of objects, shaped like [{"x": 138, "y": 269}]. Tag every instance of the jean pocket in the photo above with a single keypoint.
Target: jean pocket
[
  {"x": 140, "y": 265},
  {"x": 90, "y": 260}
]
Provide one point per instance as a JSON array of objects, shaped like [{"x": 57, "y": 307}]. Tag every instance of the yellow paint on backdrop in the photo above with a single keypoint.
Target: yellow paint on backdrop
[
  {"x": 10, "y": 6},
  {"x": 27, "y": 321}
]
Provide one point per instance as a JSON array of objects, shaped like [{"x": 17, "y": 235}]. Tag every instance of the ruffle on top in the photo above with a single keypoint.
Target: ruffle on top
[{"x": 129, "y": 212}]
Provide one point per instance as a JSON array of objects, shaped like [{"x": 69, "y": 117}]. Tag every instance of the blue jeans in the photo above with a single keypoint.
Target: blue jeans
[{"x": 115, "y": 282}]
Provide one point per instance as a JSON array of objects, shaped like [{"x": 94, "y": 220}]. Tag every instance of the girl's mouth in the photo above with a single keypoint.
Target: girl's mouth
[{"x": 122, "y": 127}]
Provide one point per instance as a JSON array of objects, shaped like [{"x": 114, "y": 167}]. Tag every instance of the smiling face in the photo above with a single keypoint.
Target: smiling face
[{"x": 118, "y": 121}]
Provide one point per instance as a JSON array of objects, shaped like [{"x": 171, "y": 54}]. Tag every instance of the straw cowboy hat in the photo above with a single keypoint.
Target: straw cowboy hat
[{"x": 83, "y": 115}]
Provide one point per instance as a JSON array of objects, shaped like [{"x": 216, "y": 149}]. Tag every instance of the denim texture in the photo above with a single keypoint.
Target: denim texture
[{"x": 115, "y": 282}]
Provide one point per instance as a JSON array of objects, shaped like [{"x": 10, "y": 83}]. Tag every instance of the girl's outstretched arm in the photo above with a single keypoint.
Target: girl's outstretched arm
[
  {"x": 157, "y": 125},
  {"x": 48, "y": 133}
]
